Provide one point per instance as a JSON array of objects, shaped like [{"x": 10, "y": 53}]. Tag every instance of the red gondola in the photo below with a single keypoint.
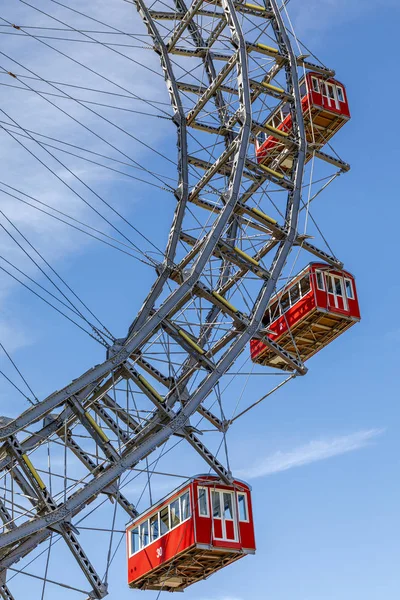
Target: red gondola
[
  {"x": 196, "y": 530},
  {"x": 325, "y": 109},
  {"x": 306, "y": 315}
]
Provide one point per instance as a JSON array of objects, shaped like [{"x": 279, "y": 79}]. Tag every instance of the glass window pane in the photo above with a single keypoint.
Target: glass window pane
[
  {"x": 203, "y": 502},
  {"x": 338, "y": 286},
  {"x": 315, "y": 84},
  {"x": 340, "y": 94},
  {"x": 135, "y": 540},
  {"x": 349, "y": 289},
  {"x": 284, "y": 302},
  {"x": 274, "y": 311},
  {"x": 154, "y": 528},
  {"x": 228, "y": 505},
  {"x": 175, "y": 513},
  {"x": 185, "y": 506},
  {"x": 144, "y": 534},
  {"x": 330, "y": 286},
  {"x": 242, "y": 504},
  {"x": 294, "y": 294},
  {"x": 320, "y": 280},
  {"x": 305, "y": 285},
  {"x": 216, "y": 505},
  {"x": 164, "y": 520},
  {"x": 266, "y": 318}
]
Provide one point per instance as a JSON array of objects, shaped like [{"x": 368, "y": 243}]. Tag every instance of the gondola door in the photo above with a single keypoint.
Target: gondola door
[
  {"x": 331, "y": 95},
  {"x": 336, "y": 292},
  {"x": 224, "y": 515}
]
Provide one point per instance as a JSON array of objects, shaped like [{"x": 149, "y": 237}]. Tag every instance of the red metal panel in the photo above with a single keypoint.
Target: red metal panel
[
  {"x": 161, "y": 550},
  {"x": 324, "y": 300},
  {"x": 318, "y": 99}
]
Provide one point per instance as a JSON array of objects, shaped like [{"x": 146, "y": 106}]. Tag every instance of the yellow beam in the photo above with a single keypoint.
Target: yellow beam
[
  {"x": 261, "y": 214},
  {"x": 96, "y": 427},
  {"x": 189, "y": 340},
  {"x": 35, "y": 474},
  {"x": 225, "y": 302},
  {"x": 271, "y": 171},
  {"x": 150, "y": 388},
  {"x": 246, "y": 256}
]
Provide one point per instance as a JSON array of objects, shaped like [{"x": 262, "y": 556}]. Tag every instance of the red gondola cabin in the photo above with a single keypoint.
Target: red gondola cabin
[
  {"x": 325, "y": 109},
  {"x": 314, "y": 309},
  {"x": 196, "y": 530}
]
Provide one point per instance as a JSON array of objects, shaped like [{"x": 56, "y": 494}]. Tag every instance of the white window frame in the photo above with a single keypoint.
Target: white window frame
[
  {"x": 207, "y": 516},
  {"x": 180, "y": 506},
  {"x": 246, "y": 507},
  {"x": 330, "y": 87},
  {"x": 141, "y": 546},
  {"x": 178, "y": 500},
  {"x": 349, "y": 281},
  {"x": 290, "y": 295},
  {"x": 159, "y": 519},
  {"x": 131, "y": 553},
  {"x": 315, "y": 80},
  {"x": 340, "y": 90},
  {"x": 318, "y": 272}
]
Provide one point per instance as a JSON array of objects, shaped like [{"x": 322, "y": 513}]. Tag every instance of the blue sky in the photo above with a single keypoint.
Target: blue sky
[{"x": 323, "y": 454}]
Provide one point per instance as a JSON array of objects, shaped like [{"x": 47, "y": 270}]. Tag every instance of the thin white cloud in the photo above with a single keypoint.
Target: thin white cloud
[{"x": 313, "y": 451}]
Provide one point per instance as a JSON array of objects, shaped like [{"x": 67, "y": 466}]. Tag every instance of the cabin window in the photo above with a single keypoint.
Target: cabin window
[
  {"x": 330, "y": 91},
  {"x": 154, "y": 528},
  {"x": 320, "y": 280},
  {"x": 285, "y": 302},
  {"x": 144, "y": 534},
  {"x": 294, "y": 294},
  {"x": 315, "y": 85},
  {"x": 185, "y": 506},
  {"x": 305, "y": 285},
  {"x": 164, "y": 520},
  {"x": 267, "y": 318},
  {"x": 340, "y": 94},
  {"x": 349, "y": 289},
  {"x": 274, "y": 310},
  {"x": 203, "y": 502},
  {"x": 135, "y": 540},
  {"x": 242, "y": 505},
  {"x": 330, "y": 284},
  {"x": 175, "y": 513},
  {"x": 338, "y": 286},
  {"x": 228, "y": 505},
  {"x": 303, "y": 90},
  {"x": 216, "y": 505}
]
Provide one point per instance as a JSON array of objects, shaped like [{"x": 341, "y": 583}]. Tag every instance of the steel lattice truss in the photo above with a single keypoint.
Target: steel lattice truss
[{"x": 226, "y": 65}]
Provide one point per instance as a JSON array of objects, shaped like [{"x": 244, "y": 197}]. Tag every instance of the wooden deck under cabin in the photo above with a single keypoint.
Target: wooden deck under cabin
[
  {"x": 311, "y": 334},
  {"x": 320, "y": 125},
  {"x": 189, "y": 566}
]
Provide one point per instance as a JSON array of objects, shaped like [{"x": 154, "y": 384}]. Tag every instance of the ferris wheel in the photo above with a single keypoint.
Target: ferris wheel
[{"x": 240, "y": 288}]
